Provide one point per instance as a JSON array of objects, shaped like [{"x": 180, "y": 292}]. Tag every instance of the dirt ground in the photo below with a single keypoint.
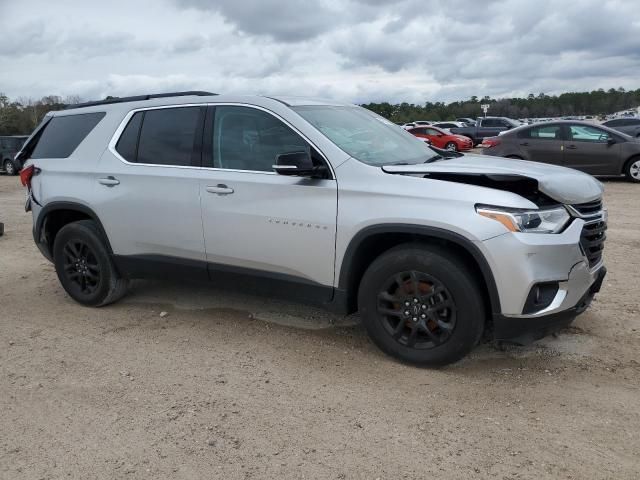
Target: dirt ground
[{"x": 232, "y": 386}]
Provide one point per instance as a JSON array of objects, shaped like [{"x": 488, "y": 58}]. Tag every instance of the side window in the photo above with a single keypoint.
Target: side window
[
  {"x": 614, "y": 123},
  {"x": 490, "y": 122},
  {"x": 62, "y": 135},
  {"x": 585, "y": 133},
  {"x": 127, "y": 145},
  {"x": 419, "y": 131},
  {"x": 249, "y": 139},
  {"x": 431, "y": 131},
  {"x": 168, "y": 136},
  {"x": 547, "y": 132}
]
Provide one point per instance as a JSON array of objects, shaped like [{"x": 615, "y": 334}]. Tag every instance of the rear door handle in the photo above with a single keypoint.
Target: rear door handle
[
  {"x": 525, "y": 144},
  {"x": 571, "y": 147},
  {"x": 219, "y": 189},
  {"x": 109, "y": 181}
]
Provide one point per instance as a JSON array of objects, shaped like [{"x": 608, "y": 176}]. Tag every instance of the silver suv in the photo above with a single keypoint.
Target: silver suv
[{"x": 322, "y": 202}]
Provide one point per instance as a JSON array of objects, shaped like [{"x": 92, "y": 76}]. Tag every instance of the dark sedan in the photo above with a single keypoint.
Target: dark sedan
[
  {"x": 584, "y": 146},
  {"x": 629, "y": 125}
]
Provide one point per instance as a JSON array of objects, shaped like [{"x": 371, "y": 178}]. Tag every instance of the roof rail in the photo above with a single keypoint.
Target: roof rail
[{"x": 138, "y": 98}]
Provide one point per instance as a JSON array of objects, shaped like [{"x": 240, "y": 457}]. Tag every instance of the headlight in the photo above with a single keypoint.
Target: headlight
[{"x": 551, "y": 220}]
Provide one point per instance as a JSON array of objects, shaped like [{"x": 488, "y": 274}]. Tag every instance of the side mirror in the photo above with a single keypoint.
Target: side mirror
[
  {"x": 297, "y": 164},
  {"x": 611, "y": 141}
]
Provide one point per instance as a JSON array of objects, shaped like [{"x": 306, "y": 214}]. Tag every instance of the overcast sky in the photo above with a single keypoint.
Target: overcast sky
[{"x": 352, "y": 50}]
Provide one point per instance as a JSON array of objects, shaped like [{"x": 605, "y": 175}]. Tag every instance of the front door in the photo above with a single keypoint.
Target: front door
[
  {"x": 256, "y": 222},
  {"x": 588, "y": 149}
]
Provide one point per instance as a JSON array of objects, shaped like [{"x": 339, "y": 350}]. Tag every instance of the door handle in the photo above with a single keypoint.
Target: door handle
[
  {"x": 219, "y": 189},
  {"x": 571, "y": 147},
  {"x": 525, "y": 144},
  {"x": 109, "y": 181}
]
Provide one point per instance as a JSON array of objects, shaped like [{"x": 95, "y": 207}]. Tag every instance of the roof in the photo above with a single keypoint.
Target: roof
[{"x": 183, "y": 98}]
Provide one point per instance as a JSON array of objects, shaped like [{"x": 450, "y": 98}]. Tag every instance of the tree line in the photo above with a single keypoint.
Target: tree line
[
  {"x": 596, "y": 103},
  {"x": 20, "y": 116}
]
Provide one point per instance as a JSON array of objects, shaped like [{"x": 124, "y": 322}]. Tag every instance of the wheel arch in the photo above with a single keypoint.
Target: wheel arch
[
  {"x": 56, "y": 215},
  {"x": 371, "y": 242}
]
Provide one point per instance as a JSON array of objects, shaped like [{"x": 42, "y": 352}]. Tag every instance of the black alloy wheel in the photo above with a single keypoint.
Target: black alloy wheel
[
  {"x": 84, "y": 265},
  {"x": 81, "y": 267},
  {"x": 417, "y": 310}
]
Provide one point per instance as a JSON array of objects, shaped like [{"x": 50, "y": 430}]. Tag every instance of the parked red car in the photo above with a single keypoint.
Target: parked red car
[{"x": 442, "y": 139}]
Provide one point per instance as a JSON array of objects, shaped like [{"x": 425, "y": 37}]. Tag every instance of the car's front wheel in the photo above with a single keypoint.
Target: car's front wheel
[
  {"x": 632, "y": 169},
  {"x": 84, "y": 267},
  {"x": 451, "y": 146},
  {"x": 422, "y": 305}
]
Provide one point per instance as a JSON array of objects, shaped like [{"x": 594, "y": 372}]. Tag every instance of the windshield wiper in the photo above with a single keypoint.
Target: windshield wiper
[{"x": 435, "y": 158}]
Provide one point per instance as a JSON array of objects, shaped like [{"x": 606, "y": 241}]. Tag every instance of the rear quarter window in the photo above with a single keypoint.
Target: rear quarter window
[{"x": 62, "y": 135}]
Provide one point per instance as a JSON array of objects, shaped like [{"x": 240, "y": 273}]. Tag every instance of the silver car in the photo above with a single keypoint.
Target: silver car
[{"x": 320, "y": 202}]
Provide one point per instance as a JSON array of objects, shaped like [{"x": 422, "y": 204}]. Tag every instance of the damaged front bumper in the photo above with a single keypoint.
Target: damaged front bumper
[
  {"x": 543, "y": 281},
  {"x": 526, "y": 329}
]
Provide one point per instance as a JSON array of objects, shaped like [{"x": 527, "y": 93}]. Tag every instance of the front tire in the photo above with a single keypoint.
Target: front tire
[
  {"x": 632, "y": 169},
  {"x": 451, "y": 146},
  {"x": 9, "y": 168},
  {"x": 84, "y": 266},
  {"x": 421, "y": 304}
]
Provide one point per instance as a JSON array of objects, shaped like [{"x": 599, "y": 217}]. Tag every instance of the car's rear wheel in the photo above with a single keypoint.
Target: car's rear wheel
[
  {"x": 632, "y": 169},
  {"x": 451, "y": 146},
  {"x": 422, "y": 305},
  {"x": 84, "y": 267},
  {"x": 9, "y": 168}
]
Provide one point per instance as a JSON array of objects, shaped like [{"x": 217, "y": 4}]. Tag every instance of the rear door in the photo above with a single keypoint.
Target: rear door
[
  {"x": 588, "y": 149},
  {"x": 147, "y": 188},
  {"x": 542, "y": 143}
]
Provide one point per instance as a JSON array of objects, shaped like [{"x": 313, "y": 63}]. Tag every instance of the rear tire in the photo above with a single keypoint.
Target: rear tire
[
  {"x": 84, "y": 266},
  {"x": 421, "y": 304},
  {"x": 9, "y": 168},
  {"x": 632, "y": 169}
]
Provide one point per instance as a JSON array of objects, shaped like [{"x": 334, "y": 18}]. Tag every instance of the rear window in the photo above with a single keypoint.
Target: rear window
[
  {"x": 543, "y": 132},
  {"x": 128, "y": 143},
  {"x": 165, "y": 136},
  {"x": 62, "y": 135}
]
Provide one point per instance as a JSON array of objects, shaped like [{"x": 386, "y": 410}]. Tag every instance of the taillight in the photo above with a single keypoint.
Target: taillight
[
  {"x": 490, "y": 142},
  {"x": 26, "y": 174}
]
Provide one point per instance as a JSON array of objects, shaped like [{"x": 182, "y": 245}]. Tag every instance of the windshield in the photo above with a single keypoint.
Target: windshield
[{"x": 366, "y": 136}]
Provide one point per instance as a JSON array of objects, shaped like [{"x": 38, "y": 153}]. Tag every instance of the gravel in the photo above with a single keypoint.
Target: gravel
[{"x": 286, "y": 391}]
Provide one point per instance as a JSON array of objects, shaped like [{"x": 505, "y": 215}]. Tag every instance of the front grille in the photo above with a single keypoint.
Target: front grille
[
  {"x": 592, "y": 240},
  {"x": 588, "y": 209}
]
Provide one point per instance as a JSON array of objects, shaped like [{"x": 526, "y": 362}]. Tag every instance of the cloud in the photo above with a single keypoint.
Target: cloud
[
  {"x": 353, "y": 50},
  {"x": 290, "y": 21}
]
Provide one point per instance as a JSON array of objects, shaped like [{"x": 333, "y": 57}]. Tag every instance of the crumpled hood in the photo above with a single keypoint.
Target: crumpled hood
[{"x": 562, "y": 184}]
